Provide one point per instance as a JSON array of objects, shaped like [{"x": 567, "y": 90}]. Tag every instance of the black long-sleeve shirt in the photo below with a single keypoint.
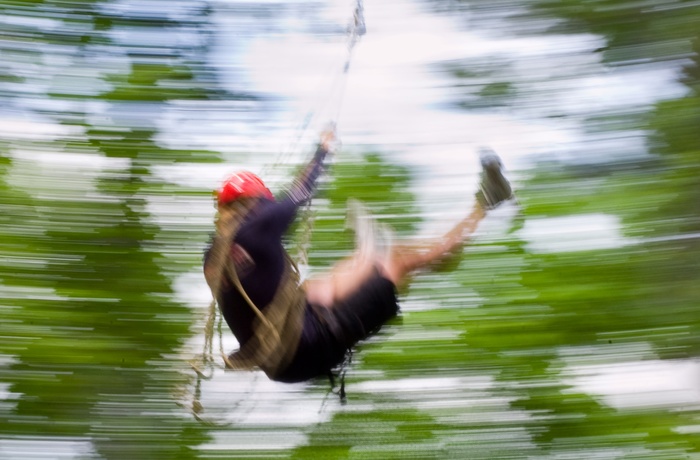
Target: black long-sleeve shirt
[{"x": 258, "y": 251}]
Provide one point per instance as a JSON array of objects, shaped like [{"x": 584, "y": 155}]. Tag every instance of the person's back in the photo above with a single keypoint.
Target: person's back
[
  {"x": 256, "y": 248},
  {"x": 258, "y": 257}
]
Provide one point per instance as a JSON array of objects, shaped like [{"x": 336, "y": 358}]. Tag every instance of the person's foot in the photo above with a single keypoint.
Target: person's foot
[
  {"x": 373, "y": 240},
  {"x": 361, "y": 222},
  {"x": 494, "y": 188}
]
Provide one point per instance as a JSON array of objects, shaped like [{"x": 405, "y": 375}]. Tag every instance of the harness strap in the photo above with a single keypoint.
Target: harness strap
[
  {"x": 277, "y": 329},
  {"x": 264, "y": 321}
]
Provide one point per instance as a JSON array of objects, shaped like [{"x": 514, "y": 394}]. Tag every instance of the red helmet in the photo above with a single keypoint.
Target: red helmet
[{"x": 242, "y": 184}]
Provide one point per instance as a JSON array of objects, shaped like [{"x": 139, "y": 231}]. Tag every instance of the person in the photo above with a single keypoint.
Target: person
[{"x": 295, "y": 331}]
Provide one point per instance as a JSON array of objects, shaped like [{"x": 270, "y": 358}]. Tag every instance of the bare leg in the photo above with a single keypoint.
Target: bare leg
[
  {"x": 349, "y": 274},
  {"x": 406, "y": 259},
  {"x": 344, "y": 278},
  {"x": 397, "y": 262}
]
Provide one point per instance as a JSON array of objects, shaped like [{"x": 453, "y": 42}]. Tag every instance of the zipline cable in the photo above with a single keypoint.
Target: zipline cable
[
  {"x": 329, "y": 102},
  {"x": 356, "y": 30}
]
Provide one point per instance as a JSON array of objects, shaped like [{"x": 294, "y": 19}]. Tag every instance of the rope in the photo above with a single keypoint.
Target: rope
[
  {"x": 263, "y": 320},
  {"x": 227, "y": 225},
  {"x": 356, "y": 30},
  {"x": 335, "y": 95}
]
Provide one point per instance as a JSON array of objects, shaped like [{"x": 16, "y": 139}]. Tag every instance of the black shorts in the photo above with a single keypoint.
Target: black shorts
[{"x": 330, "y": 332}]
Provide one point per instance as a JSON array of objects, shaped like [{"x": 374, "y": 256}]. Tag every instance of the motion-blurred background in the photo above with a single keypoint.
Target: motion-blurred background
[{"x": 568, "y": 329}]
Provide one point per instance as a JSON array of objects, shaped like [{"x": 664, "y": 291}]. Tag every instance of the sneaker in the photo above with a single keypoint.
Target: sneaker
[
  {"x": 373, "y": 240},
  {"x": 494, "y": 187},
  {"x": 361, "y": 222}
]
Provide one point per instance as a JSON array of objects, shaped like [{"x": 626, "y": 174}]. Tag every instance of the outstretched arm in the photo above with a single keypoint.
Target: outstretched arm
[
  {"x": 304, "y": 185},
  {"x": 275, "y": 218}
]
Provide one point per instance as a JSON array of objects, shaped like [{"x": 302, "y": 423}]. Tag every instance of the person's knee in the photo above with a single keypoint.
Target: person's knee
[
  {"x": 319, "y": 291},
  {"x": 394, "y": 268}
]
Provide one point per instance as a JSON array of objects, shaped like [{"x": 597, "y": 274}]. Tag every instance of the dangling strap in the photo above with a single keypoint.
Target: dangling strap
[
  {"x": 277, "y": 330},
  {"x": 264, "y": 321}
]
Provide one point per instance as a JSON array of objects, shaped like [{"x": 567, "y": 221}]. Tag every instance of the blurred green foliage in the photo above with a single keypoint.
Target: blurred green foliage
[
  {"x": 89, "y": 325},
  {"x": 537, "y": 305}
]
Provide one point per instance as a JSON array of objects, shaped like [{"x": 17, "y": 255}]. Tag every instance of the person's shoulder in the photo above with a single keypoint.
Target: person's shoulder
[{"x": 266, "y": 206}]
